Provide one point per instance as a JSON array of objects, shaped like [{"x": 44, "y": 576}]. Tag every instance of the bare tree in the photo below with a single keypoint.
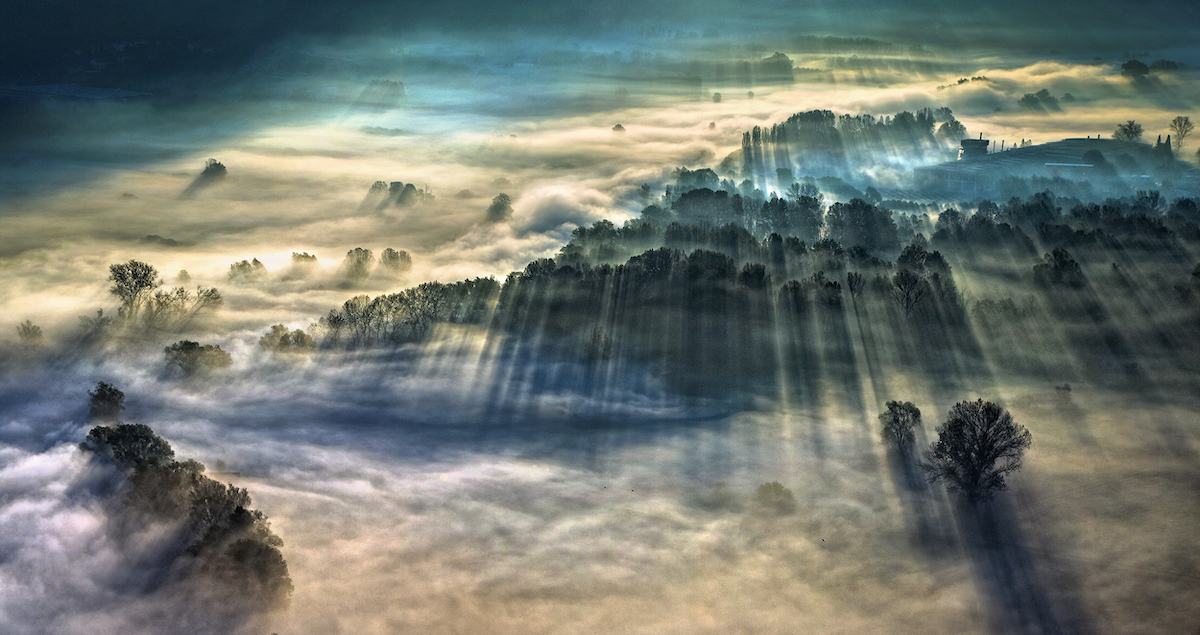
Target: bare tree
[
  {"x": 855, "y": 282},
  {"x": 908, "y": 289},
  {"x": 977, "y": 446},
  {"x": 1181, "y": 127}
]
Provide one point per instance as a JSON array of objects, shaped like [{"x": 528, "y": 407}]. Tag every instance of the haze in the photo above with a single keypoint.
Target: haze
[{"x": 588, "y": 445}]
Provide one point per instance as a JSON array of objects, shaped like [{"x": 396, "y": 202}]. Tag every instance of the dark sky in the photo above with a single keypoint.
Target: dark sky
[{"x": 40, "y": 39}]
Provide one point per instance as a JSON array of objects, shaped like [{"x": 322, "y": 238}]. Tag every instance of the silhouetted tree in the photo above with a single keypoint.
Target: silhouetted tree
[
  {"x": 130, "y": 446},
  {"x": 858, "y": 223},
  {"x": 1031, "y": 102},
  {"x": 213, "y": 169},
  {"x": 501, "y": 208},
  {"x": 279, "y": 339},
  {"x": 899, "y": 423},
  {"x": 908, "y": 289},
  {"x": 855, "y": 282},
  {"x": 92, "y": 329},
  {"x": 1181, "y": 127},
  {"x": 1059, "y": 268},
  {"x": 303, "y": 259},
  {"x": 247, "y": 271},
  {"x": 190, "y": 358},
  {"x": 1134, "y": 68},
  {"x": 1128, "y": 131},
  {"x": 358, "y": 263},
  {"x": 29, "y": 333},
  {"x": 222, "y": 542},
  {"x": 395, "y": 262},
  {"x": 133, "y": 282},
  {"x": 105, "y": 403},
  {"x": 952, "y": 131},
  {"x": 977, "y": 446},
  {"x": 171, "y": 310}
]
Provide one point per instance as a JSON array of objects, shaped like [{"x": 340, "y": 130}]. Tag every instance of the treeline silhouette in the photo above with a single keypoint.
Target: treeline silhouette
[
  {"x": 822, "y": 142},
  {"x": 719, "y": 309}
]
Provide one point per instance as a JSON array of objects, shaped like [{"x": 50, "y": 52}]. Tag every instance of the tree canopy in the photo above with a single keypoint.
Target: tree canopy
[
  {"x": 105, "y": 403},
  {"x": 977, "y": 446},
  {"x": 133, "y": 282},
  {"x": 1128, "y": 131},
  {"x": 191, "y": 358},
  {"x": 899, "y": 422}
]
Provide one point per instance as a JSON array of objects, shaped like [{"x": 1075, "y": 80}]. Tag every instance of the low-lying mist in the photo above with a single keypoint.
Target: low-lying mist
[{"x": 592, "y": 333}]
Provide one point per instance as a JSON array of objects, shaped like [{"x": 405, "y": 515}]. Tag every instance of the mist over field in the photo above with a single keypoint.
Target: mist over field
[{"x": 576, "y": 318}]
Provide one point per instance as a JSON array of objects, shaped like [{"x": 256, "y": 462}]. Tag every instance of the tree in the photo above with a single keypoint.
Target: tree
[
  {"x": 977, "y": 446},
  {"x": 952, "y": 131},
  {"x": 774, "y": 498},
  {"x": 280, "y": 340},
  {"x": 30, "y": 333},
  {"x": 191, "y": 358},
  {"x": 130, "y": 445},
  {"x": 1059, "y": 268},
  {"x": 1181, "y": 127},
  {"x": 133, "y": 282},
  {"x": 92, "y": 329},
  {"x": 859, "y": 223},
  {"x": 908, "y": 289},
  {"x": 220, "y": 539},
  {"x": 105, "y": 403},
  {"x": 213, "y": 169},
  {"x": 855, "y": 282},
  {"x": 899, "y": 422},
  {"x": 395, "y": 262},
  {"x": 247, "y": 271},
  {"x": 358, "y": 263},
  {"x": 1128, "y": 131},
  {"x": 1135, "y": 69},
  {"x": 171, "y": 310},
  {"x": 501, "y": 208},
  {"x": 1030, "y": 102}
]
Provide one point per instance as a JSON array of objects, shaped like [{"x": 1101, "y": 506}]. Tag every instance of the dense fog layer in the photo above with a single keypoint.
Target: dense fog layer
[{"x": 587, "y": 445}]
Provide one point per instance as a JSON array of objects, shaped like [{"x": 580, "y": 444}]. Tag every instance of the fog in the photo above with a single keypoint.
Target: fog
[{"x": 586, "y": 454}]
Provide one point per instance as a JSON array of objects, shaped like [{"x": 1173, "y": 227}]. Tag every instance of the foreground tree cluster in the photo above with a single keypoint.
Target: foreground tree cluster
[
  {"x": 223, "y": 550},
  {"x": 977, "y": 447}
]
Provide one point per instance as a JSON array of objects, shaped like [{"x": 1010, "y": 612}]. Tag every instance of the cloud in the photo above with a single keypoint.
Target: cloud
[{"x": 550, "y": 208}]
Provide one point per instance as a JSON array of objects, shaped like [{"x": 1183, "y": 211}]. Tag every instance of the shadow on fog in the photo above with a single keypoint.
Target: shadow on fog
[{"x": 1028, "y": 590}]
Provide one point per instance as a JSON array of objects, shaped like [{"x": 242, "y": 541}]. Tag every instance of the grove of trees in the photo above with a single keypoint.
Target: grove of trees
[{"x": 222, "y": 546}]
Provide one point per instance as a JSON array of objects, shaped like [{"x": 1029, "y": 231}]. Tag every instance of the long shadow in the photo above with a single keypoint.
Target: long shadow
[
  {"x": 1021, "y": 597},
  {"x": 923, "y": 505}
]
